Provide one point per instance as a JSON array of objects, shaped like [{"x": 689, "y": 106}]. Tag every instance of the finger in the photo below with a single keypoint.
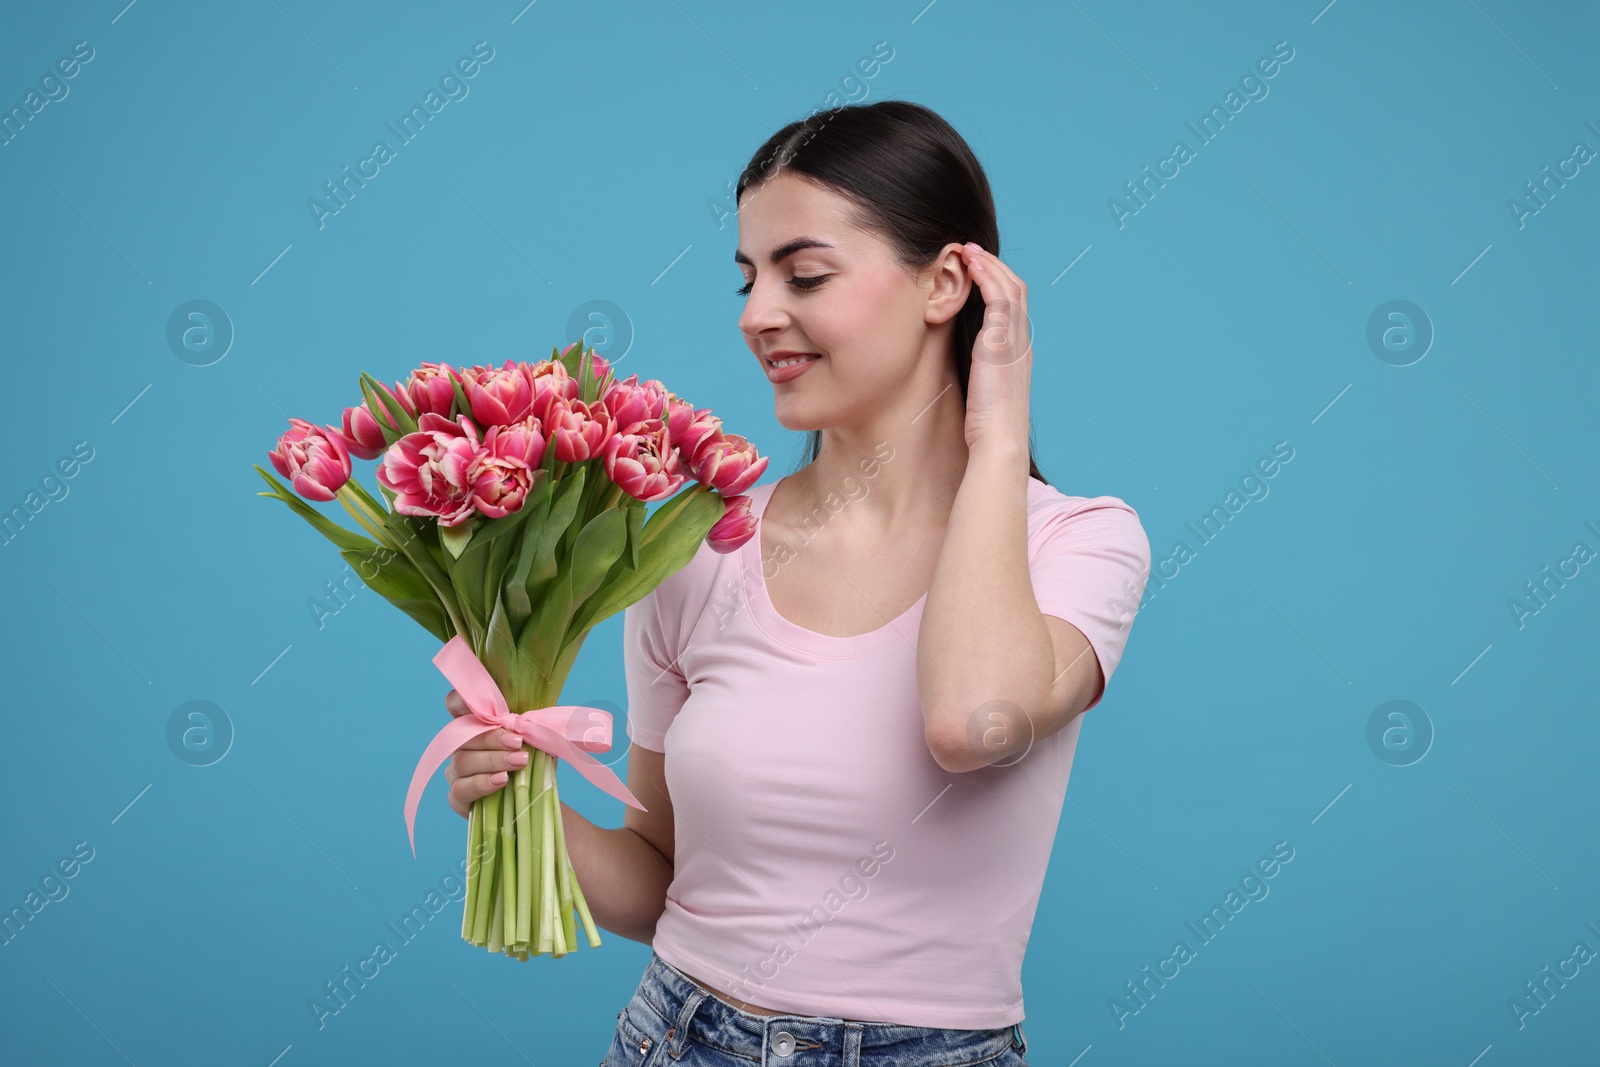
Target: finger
[
  {"x": 493, "y": 741},
  {"x": 478, "y": 761},
  {"x": 999, "y": 285},
  {"x": 466, "y": 790},
  {"x": 988, "y": 263},
  {"x": 1005, "y": 299},
  {"x": 489, "y": 739}
]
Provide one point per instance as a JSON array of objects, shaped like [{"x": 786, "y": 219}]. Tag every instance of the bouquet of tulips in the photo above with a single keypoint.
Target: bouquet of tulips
[{"x": 511, "y": 521}]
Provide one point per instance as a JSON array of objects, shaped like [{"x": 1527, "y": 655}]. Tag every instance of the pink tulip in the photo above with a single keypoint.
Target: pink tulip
[
  {"x": 578, "y": 431},
  {"x": 727, "y": 463},
  {"x": 526, "y": 440},
  {"x": 631, "y": 403},
  {"x": 431, "y": 388},
  {"x": 432, "y": 471},
  {"x": 361, "y": 433},
  {"x": 313, "y": 458},
  {"x": 599, "y": 365},
  {"x": 503, "y": 473},
  {"x": 734, "y": 528},
  {"x": 643, "y": 462},
  {"x": 551, "y": 382},
  {"x": 679, "y": 413},
  {"x": 692, "y": 431},
  {"x": 499, "y": 396}
]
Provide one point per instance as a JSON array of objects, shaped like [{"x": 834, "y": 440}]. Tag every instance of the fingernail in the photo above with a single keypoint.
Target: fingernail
[
  {"x": 517, "y": 759},
  {"x": 498, "y": 778},
  {"x": 509, "y": 739}
]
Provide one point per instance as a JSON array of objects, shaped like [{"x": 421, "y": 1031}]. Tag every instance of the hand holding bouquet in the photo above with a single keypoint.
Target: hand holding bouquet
[{"x": 512, "y": 521}]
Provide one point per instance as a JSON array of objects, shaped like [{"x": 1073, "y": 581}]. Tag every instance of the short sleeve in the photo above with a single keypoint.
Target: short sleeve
[
  {"x": 656, "y": 686},
  {"x": 1090, "y": 560}
]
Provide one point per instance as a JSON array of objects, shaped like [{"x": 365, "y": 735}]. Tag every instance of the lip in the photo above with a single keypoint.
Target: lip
[{"x": 777, "y": 375}]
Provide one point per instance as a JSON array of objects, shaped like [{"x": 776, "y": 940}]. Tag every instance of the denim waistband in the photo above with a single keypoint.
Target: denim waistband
[{"x": 807, "y": 1040}]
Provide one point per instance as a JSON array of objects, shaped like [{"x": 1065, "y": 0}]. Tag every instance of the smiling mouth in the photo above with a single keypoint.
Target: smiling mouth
[{"x": 789, "y": 361}]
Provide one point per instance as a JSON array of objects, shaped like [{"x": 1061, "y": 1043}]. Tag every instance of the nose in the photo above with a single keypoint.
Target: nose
[{"x": 764, "y": 311}]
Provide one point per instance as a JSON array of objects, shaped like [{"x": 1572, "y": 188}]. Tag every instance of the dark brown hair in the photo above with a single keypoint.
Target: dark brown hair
[{"x": 915, "y": 183}]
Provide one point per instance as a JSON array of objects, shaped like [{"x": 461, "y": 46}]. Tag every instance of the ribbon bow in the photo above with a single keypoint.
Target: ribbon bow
[{"x": 559, "y": 730}]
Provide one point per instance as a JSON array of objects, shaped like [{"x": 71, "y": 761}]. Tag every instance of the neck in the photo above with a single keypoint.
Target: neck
[{"x": 903, "y": 468}]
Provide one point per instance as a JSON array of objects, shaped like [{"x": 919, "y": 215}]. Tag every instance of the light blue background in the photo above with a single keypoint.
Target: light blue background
[{"x": 1230, "y": 313}]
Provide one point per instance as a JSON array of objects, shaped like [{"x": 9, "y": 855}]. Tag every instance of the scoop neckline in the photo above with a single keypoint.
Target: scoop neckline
[{"x": 797, "y": 637}]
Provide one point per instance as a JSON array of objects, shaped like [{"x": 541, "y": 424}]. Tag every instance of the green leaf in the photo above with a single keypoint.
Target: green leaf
[
  {"x": 380, "y": 401},
  {"x": 463, "y": 405},
  {"x": 585, "y": 374},
  {"x": 515, "y": 589},
  {"x": 598, "y": 545},
  {"x": 636, "y": 513},
  {"x": 339, "y": 535},
  {"x": 668, "y": 544},
  {"x": 394, "y": 578},
  {"x": 488, "y": 530},
  {"x": 417, "y": 537},
  {"x": 455, "y": 538},
  {"x": 500, "y": 659},
  {"x": 563, "y": 510},
  {"x": 541, "y": 638},
  {"x": 488, "y": 553},
  {"x": 570, "y": 359},
  {"x": 499, "y": 552},
  {"x": 466, "y": 574}
]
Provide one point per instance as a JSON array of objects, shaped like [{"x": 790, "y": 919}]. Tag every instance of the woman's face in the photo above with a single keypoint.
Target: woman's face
[{"x": 844, "y": 298}]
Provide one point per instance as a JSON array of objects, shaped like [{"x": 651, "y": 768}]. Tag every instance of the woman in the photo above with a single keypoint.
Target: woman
[{"x": 853, "y": 788}]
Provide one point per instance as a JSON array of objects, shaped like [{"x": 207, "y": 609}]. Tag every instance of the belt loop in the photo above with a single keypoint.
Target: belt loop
[
  {"x": 852, "y": 1044},
  {"x": 1018, "y": 1040},
  {"x": 678, "y": 1036}
]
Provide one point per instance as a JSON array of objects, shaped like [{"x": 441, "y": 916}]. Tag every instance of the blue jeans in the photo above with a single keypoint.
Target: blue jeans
[{"x": 672, "y": 1022}]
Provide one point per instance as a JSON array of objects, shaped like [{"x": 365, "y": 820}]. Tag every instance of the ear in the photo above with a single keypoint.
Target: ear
[{"x": 947, "y": 285}]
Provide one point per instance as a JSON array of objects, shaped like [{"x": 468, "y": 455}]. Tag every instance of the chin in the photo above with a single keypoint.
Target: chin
[
  {"x": 798, "y": 425},
  {"x": 799, "y": 421}
]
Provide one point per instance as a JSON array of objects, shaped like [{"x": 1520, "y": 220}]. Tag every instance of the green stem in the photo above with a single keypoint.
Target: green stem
[
  {"x": 508, "y": 857},
  {"x": 525, "y": 851},
  {"x": 361, "y": 520},
  {"x": 547, "y": 854},
  {"x": 583, "y": 913},
  {"x": 377, "y": 510},
  {"x": 563, "y": 864},
  {"x": 488, "y": 809},
  {"x": 469, "y": 906},
  {"x": 496, "y": 933}
]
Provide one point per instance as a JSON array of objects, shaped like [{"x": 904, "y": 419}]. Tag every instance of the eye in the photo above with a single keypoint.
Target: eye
[{"x": 798, "y": 283}]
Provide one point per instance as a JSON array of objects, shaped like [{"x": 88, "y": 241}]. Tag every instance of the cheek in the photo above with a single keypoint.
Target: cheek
[{"x": 869, "y": 327}]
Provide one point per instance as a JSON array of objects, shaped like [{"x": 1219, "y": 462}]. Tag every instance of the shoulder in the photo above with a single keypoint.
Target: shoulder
[{"x": 1053, "y": 514}]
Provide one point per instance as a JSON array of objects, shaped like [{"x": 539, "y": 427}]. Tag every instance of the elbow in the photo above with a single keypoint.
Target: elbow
[
  {"x": 953, "y": 751},
  {"x": 1000, "y": 734}
]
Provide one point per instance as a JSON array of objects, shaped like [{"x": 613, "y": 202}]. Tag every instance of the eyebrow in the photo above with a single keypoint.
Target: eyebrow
[{"x": 784, "y": 250}]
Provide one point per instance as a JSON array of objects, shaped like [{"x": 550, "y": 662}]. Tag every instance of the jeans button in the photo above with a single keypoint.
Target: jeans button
[{"x": 783, "y": 1042}]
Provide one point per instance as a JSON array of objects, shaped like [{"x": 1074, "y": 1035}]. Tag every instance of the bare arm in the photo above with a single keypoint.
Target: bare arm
[
  {"x": 994, "y": 673},
  {"x": 990, "y": 672},
  {"x": 624, "y": 871}
]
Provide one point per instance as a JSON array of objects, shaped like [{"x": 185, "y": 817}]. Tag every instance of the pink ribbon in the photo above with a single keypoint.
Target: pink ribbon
[{"x": 559, "y": 730}]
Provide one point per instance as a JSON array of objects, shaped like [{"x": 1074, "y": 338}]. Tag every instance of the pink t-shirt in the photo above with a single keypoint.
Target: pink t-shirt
[{"x": 825, "y": 864}]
